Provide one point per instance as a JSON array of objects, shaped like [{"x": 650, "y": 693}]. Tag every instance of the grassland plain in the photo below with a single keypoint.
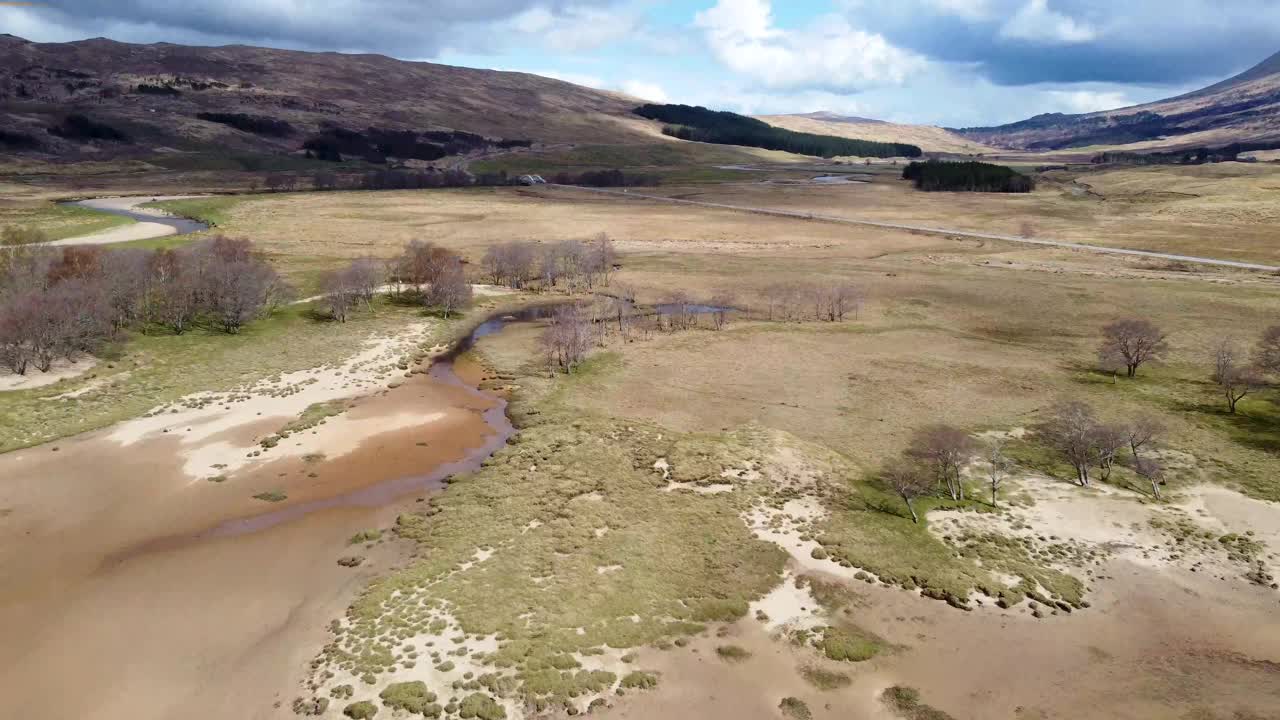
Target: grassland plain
[{"x": 747, "y": 453}]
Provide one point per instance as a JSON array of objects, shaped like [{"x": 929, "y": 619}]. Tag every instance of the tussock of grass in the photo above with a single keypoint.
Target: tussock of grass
[
  {"x": 825, "y": 679},
  {"x": 412, "y": 697},
  {"x": 795, "y": 709},
  {"x": 273, "y": 496},
  {"x": 361, "y": 710},
  {"x": 365, "y": 536},
  {"x": 905, "y": 702},
  {"x": 733, "y": 653}
]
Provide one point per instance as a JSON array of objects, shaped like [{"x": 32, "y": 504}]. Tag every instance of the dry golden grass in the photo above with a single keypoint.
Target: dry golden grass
[{"x": 927, "y": 137}]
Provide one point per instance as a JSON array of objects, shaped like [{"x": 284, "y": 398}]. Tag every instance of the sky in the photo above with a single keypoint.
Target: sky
[{"x": 956, "y": 63}]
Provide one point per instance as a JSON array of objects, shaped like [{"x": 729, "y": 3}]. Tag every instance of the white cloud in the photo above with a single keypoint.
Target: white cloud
[
  {"x": 645, "y": 91},
  {"x": 829, "y": 54},
  {"x": 590, "y": 81},
  {"x": 576, "y": 28},
  {"x": 1087, "y": 101},
  {"x": 1037, "y": 22}
]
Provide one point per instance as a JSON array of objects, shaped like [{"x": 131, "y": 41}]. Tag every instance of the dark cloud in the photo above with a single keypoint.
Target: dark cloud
[
  {"x": 1136, "y": 41},
  {"x": 405, "y": 28}
]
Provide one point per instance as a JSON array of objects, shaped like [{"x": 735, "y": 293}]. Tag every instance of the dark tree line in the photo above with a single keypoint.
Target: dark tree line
[
  {"x": 79, "y": 127},
  {"x": 688, "y": 122},
  {"x": 61, "y": 303},
  {"x": 256, "y": 124},
  {"x": 939, "y": 175},
  {"x": 375, "y": 145}
]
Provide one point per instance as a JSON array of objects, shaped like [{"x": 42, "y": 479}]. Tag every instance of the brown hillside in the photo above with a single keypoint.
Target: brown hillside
[
  {"x": 929, "y": 138},
  {"x": 153, "y": 93}
]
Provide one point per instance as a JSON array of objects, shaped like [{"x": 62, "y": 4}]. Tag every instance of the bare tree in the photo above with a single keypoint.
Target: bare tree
[
  {"x": 1142, "y": 432},
  {"x": 946, "y": 449},
  {"x": 450, "y": 289},
  {"x": 1130, "y": 344},
  {"x": 1108, "y": 440},
  {"x": 566, "y": 341},
  {"x": 1153, "y": 471},
  {"x": 1235, "y": 380},
  {"x": 909, "y": 481},
  {"x": 722, "y": 304},
  {"x": 1070, "y": 430},
  {"x": 998, "y": 466},
  {"x": 602, "y": 257},
  {"x": 340, "y": 293},
  {"x": 1267, "y": 352}
]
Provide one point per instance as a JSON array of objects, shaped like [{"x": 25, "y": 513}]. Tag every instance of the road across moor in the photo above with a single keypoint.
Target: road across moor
[{"x": 934, "y": 231}]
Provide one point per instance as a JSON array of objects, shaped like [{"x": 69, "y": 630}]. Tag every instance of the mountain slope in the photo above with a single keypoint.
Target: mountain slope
[
  {"x": 1243, "y": 108},
  {"x": 929, "y": 138},
  {"x": 152, "y": 95}
]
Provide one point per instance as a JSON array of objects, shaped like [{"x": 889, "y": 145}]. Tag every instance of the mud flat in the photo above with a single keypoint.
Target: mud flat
[{"x": 159, "y": 588}]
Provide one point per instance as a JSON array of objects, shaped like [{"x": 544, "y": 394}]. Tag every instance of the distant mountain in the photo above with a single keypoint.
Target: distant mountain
[
  {"x": 930, "y": 139},
  {"x": 100, "y": 97},
  {"x": 1244, "y": 108}
]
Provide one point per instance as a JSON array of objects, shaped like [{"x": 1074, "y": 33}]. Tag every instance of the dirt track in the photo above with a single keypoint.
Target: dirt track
[{"x": 936, "y": 231}]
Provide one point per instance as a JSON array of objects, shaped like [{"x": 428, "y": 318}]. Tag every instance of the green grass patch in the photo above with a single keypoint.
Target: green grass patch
[
  {"x": 213, "y": 211},
  {"x": 365, "y": 536},
  {"x": 58, "y": 222}
]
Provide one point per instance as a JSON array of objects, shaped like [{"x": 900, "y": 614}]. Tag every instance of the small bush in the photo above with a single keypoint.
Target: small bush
[
  {"x": 818, "y": 554},
  {"x": 640, "y": 680},
  {"x": 271, "y": 496},
  {"x": 732, "y": 653},
  {"x": 846, "y": 646},
  {"x": 794, "y": 708},
  {"x": 350, "y": 560},
  {"x": 362, "y": 710},
  {"x": 342, "y": 692},
  {"x": 905, "y": 701},
  {"x": 410, "y": 696},
  {"x": 365, "y": 536},
  {"x": 479, "y": 705},
  {"x": 825, "y": 679}
]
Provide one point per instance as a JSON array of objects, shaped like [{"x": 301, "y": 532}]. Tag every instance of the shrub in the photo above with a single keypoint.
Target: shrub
[
  {"x": 905, "y": 701},
  {"x": 825, "y": 679},
  {"x": 411, "y": 696},
  {"x": 733, "y": 653},
  {"x": 362, "y": 710},
  {"x": 342, "y": 692},
  {"x": 845, "y": 646},
  {"x": 640, "y": 680},
  {"x": 479, "y": 705},
  {"x": 795, "y": 708},
  {"x": 365, "y": 536}
]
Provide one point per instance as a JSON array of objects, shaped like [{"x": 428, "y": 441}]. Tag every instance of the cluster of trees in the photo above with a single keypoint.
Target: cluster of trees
[
  {"x": 972, "y": 176},
  {"x": 1073, "y": 430},
  {"x": 256, "y": 124},
  {"x": 570, "y": 264},
  {"x": 801, "y": 301},
  {"x": 80, "y": 128},
  {"x": 607, "y": 178},
  {"x": 377, "y": 144},
  {"x": 1131, "y": 343},
  {"x": 933, "y": 465},
  {"x": 60, "y": 303},
  {"x": 697, "y": 123},
  {"x": 1192, "y": 156},
  {"x": 423, "y": 272}
]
